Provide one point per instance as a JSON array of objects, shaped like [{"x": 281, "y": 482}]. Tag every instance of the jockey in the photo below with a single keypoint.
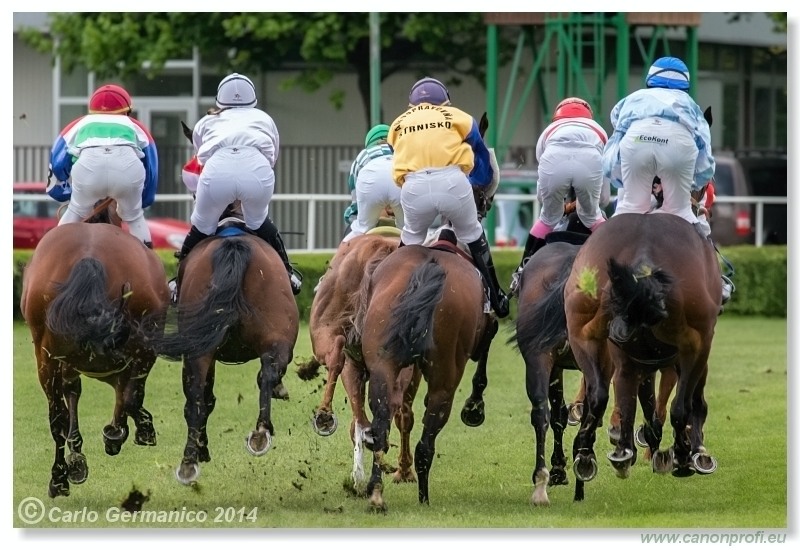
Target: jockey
[
  {"x": 438, "y": 155},
  {"x": 106, "y": 153},
  {"x": 371, "y": 179},
  {"x": 236, "y": 147},
  {"x": 659, "y": 131},
  {"x": 570, "y": 154}
]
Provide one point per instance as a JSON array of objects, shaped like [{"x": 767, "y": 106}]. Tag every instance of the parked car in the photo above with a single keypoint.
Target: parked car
[
  {"x": 34, "y": 218},
  {"x": 749, "y": 173}
]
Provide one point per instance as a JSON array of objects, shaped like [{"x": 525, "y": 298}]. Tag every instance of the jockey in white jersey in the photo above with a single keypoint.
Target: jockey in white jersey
[
  {"x": 570, "y": 154},
  {"x": 106, "y": 153},
  {"x": 237, "y": 147},
  {"x": 439, "y": 155},
  {"x": 372, "y": 180}
]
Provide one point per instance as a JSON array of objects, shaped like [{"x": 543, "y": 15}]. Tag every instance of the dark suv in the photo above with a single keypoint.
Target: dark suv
[{"x": 749, "y": 173}]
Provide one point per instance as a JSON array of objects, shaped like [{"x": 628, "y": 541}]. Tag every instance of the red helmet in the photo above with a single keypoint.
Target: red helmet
[
  {"x": 573, "y": 107},
  {"x": 110, "y": 99}
]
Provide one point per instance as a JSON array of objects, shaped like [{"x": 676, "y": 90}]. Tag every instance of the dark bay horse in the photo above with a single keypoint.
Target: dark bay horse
[
  {"x": 95, "y": 300},
  {"x": 421, "y": 310},
  {"x": 235, "y": 304},
  {"x": 643, "y": 294}
]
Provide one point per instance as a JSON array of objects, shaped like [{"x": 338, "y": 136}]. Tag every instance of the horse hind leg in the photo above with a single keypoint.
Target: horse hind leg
[
  {"x": 198, "y": 382},
  {"x": 134, "y": 401},
  {"x": 273, "y": 367},
  {"x": 702, "y": 462},
  {"x": 49, "y": 373},
  {"x": 472, "y": 414},
  {"x": 324, "y": 421},
  {"x": 77, "y": 467},
  {"x": 404, "y": 420},
  {"x": 116, "y": 433},
  {"x": 558, "y": 423}
]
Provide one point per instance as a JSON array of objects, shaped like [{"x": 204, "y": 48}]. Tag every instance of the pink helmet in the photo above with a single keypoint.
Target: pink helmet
[
  {"x": 573, "y": 107},
  {"x": 110, "y": 99}
]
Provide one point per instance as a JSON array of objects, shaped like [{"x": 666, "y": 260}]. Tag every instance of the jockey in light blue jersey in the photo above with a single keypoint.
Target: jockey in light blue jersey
[{"x": 659, "y": 131}]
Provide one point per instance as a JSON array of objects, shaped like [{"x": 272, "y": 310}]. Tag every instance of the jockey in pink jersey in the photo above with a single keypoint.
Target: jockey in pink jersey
[
  {"x": 570, "y": 154},
  {"x": 106, "y": 153},
  {"x": 439, "y": 155},
  {"x": 237, "y": 147}
]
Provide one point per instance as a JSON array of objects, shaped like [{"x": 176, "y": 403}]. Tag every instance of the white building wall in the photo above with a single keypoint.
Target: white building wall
[{"x": 33, "y": 96}]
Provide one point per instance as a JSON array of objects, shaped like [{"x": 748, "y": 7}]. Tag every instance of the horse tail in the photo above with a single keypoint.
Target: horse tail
[
  {"x": 83, "y": 313},
  {"x": 542, "y": 327},
  {"x": 638, "y": 297},
  {"x": 203, "y": 326},
  {"x": 410, "y": 333},
  {"x": 359, "y": 302}
]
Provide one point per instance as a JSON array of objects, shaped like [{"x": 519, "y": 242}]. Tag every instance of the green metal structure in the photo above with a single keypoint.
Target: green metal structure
[{"x": 559, "y": 55}]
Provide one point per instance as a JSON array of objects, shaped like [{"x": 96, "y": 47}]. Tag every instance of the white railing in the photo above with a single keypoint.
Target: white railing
[{"x": 313, "y": 199}]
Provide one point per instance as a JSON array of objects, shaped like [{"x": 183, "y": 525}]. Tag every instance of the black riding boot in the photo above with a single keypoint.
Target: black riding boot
[
  {"x": 192, "y": 239},
  {"x": 531, "y": 246},
  {"x": 149, "y": 244},
  {"x": 269, "y": 232},
  {"x": 482, "y": 257}
]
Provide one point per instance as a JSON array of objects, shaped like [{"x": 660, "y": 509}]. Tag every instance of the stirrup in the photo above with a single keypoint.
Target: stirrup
[
  {"x": 296, "y": 280},
  {"x": 513, "y": 288},
  {"x": 173, "y": 290}
]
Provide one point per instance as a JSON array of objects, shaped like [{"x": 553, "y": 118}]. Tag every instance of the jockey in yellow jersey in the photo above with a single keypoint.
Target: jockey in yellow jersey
[{"x": 439, "y": 155}]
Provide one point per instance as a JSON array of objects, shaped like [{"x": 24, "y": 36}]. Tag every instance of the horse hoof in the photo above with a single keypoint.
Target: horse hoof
[
  {"x": 114, "y": 437},
  {"x": 324, "y": 423},
  {"x": 621, "y": 462},
  {"x": 704, "y": 464},
  {"x": 258, "y": 443},
  {"x": 575, "y": 411},
  {"x": 58, "y": 489},
  {"x": 584, "y": 468},
  {"x": 187, "y": 473},
  {"x": 682, "y": 471},
  {"x": 638, "y": 437},
  {"x": 472, "y": 414},
  {"x": 376, "y": 503},
  {"x": 77, "y": 468},
  {"x": 145, "y": 438},
  {"x": 203, "y": 454},
  {"x": 662, "y": 462},
  {"x": 558, "y": 477},
  {"x": 280, "y": 392}
]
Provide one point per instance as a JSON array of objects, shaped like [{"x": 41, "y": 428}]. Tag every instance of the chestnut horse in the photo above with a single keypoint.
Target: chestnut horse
[
  {"x": 644, "y": 293},
  {"x": 95, "y": 300},
  {"x": 421, "y": 311},
  {"x": 235, "y": 305}
]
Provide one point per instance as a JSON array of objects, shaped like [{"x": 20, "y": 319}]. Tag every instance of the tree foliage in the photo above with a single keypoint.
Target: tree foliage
[{"x": 317, "y": 45}]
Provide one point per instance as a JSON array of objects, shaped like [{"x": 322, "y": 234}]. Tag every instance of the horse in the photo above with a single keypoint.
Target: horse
[
  {"x": 643, "y": 294},
  {"x": 332, "y": 312},
  {"x": 95, "y": 300},
  {"x": 235, "y": 304},
  {"x": 421, "y": 313}
]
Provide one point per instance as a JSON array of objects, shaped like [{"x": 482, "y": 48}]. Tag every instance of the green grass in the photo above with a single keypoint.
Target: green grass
[{"x": 480, "y": 476}]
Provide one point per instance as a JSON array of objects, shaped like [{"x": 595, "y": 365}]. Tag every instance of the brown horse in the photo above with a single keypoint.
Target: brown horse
[
  {"x": 235, "y": 305},
  {"x": 332, "y": 312},
  {"x": 95, "y": 300},
  {"x": 643, "y": 294},
  {"x": 422, "y": 309},
  {"x": 541, "y": 337}
]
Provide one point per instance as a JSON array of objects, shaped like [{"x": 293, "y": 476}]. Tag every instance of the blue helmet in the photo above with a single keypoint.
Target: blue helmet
[
  {"x": 668, "y": 72},
  {"x": 428, "y": 90}
]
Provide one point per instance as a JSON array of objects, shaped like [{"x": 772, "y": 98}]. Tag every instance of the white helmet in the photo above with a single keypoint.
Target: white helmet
[{"x": 236, "y": 90}]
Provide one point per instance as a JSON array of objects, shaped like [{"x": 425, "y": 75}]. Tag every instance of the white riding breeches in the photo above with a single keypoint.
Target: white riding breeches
[
  {"x": 375, "y": 191},
  {"x": 658, "y": 147},
  {"x": 115, "y": 172},
  {"x": 579, "y": 167},
  {"x": 234, "y": 173},
  {"x": 446, "y": 191}
]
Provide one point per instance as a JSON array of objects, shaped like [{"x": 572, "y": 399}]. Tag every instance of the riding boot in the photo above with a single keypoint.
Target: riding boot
[
  {"x": 728, "y": 287},
  {"x": 269, "y": 232},
  {"x": 149, "y": 244},
  {"x": 531, "y": 246},
  {"x": 482, "y": 256},
  {"x": 192, "y": 239}
]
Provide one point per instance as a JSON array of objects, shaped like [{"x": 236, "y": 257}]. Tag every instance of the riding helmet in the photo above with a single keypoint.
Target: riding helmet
[
  {"x": 236, "y": 90},
  {"x": 573, "y": 107},
  {"x": 376, "y": 134},
  {"x": 668, "y": 72},
  {"x": 428, "y": 90},
  {"x": 110, "y": 99}
]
